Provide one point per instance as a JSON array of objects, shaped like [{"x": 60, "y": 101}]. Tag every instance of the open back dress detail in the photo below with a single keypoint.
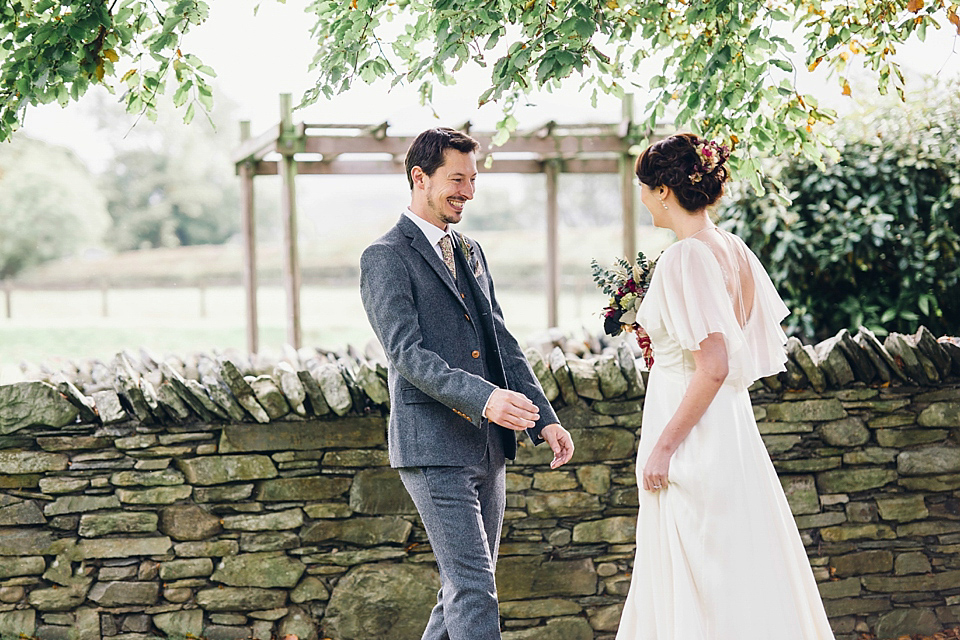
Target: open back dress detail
[{"x": 719, "y": 556}]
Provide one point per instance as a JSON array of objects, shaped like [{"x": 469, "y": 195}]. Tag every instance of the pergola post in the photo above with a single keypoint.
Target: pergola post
[
  {"x": 552, "y": 169},
  {"x": 249, "y": 245},
  {"x": 290, "y": 142},
  {"x": 7, "y": 290},
  {"x": 627, "y": 191}
]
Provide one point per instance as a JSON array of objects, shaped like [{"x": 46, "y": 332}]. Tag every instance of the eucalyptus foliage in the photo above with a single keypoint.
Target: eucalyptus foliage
[
  {"x": 727, "y": 66},
  {"x": 874, "y": 238}
]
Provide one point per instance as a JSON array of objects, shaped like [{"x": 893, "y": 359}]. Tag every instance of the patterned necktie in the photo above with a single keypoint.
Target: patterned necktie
[{"x": 446, "y": 249}]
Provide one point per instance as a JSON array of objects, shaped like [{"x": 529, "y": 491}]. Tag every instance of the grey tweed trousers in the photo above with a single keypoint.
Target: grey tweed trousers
[{"x": 462, "y": 511}]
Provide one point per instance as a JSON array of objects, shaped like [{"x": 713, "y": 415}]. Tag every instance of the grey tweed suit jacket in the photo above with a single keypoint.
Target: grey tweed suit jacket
[{"x": 437, "y": 388}]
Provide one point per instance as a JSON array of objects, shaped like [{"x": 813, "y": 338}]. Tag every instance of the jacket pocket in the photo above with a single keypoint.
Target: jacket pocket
[{"x": 412, "y": 395}]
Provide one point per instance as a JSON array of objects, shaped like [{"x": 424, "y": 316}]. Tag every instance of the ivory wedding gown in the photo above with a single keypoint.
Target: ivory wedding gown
[{"x": 719, "y": 556}]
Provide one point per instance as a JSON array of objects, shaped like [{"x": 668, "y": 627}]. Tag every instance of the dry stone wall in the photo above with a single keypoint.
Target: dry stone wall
[{"x": 226, "y": 498}]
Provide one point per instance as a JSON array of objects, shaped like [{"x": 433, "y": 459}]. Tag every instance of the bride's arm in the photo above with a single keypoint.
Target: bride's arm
[{"x": 711, "y": 362}]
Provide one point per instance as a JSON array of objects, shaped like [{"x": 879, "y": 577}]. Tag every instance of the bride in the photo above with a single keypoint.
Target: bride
[{"x": 719, "y": 556}]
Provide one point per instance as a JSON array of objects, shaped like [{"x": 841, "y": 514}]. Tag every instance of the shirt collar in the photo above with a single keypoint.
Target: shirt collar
[{"x": 432, "y": 232}]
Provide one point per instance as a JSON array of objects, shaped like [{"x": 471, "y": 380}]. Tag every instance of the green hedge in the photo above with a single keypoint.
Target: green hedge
[{"x": 871, "y": 238}]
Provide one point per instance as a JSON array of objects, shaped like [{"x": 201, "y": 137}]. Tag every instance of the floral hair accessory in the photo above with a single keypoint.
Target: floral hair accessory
[{"x": 711, "y": 155}]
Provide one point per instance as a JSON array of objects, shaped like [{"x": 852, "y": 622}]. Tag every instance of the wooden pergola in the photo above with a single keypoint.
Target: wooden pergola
[{"x": 345, "y": 149}]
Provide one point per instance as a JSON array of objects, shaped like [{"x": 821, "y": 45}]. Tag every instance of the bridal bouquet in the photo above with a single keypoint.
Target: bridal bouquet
[{"x": 626, "y": 285}]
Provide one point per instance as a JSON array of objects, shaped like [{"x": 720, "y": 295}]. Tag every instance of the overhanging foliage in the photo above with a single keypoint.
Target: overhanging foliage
[{"x": 727, "y": 66}]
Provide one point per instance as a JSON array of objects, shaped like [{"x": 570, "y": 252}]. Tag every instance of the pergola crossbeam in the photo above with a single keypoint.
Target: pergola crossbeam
[
  {"x": 319, "y": 149},
  {"x": 547, "y": 146},
  {"x": 377, "y": 167},
  {"x": 257, "y": 148}
]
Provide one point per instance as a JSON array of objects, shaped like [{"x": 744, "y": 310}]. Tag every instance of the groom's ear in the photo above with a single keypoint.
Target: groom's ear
[{"x": 418, "y": 175}]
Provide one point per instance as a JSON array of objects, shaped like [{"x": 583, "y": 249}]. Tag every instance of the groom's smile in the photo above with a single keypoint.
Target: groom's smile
[
  {"x": 457, "y": 203},
  {"x": 445, "y": 193}
]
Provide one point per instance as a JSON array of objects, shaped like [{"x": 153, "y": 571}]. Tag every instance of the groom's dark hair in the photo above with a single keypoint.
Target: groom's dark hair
[{"x": 427, "y": 149}]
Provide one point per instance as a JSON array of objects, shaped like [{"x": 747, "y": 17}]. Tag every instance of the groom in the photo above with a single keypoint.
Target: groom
[{"x": 460, "y": 386}]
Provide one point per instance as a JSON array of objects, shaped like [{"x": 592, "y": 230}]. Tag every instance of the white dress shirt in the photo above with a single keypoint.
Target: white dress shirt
[{"x": 431, "y": 231}]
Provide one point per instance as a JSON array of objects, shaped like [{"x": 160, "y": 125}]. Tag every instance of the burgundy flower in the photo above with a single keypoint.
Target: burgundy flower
[{"x": 612, "y": 326}]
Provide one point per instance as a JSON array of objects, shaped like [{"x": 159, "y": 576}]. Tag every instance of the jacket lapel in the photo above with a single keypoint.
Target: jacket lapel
[
  {"x": 460, "y": 242},
  {"x": 419, "y": 243}
]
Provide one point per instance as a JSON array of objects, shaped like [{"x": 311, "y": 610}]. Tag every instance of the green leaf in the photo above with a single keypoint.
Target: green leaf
[
  {"x": 584, "y": 28},
  {"x": 545, "y": 69},
  {"x": 181, "y": 94},
  {"x": 206, "y": 100}
]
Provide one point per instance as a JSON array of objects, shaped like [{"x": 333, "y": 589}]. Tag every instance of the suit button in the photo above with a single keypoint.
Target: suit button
[
  {"x": 463, "y": 295},
  {"x": 467, "y": 316},
  {"x": 475, "y": 354}
]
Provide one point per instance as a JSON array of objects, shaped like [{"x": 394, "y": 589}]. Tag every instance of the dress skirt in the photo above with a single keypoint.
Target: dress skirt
[{"x": 719, "y": 556}]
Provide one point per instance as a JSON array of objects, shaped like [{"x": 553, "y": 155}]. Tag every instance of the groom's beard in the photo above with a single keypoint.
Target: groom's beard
[{"x": 437, "y": 205}]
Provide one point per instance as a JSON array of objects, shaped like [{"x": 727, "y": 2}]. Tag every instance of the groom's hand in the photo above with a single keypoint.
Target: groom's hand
[
  {"x": 560, "y": 441},
  {"x": 511, "y": 410}
]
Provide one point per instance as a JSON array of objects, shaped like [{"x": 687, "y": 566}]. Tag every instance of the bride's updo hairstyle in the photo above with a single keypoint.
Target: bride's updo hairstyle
[{"x": 694, "y": 169}]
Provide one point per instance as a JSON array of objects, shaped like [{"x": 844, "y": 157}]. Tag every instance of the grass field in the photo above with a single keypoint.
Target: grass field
[
  {"x": 51, "y": 326},
  {"x": 57, "y": 310},
  {"x": 512, "y": 252}
]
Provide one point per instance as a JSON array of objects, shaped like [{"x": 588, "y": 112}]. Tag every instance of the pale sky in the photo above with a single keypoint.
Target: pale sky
[{"x": 257, "y": 58}]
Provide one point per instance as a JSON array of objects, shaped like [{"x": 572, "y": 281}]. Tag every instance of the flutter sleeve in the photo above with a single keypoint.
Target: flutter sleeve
[
  {"x": 765, "y": 336},
  {"x": 689, "y": 299}
]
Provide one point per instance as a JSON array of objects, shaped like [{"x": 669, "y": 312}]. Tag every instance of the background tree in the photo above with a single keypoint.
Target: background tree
[
  {"x": 873, "y": 238},
  {"x": 43, "y": 218},
  {"x": 727, "y": 67},
  {"x": 168, "y": 184}
]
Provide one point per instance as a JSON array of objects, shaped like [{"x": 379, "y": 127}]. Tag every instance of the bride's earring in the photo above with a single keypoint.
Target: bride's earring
[{"x": 663, "y": 203}]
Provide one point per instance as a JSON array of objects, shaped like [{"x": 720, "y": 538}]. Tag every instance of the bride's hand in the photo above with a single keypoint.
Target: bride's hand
[{"x": 657, "y": 470}]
